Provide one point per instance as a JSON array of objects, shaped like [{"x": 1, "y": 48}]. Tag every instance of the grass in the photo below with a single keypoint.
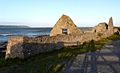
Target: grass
[
  {"x": 114, "y": 37},
  {"x": 51, "y": 62}
]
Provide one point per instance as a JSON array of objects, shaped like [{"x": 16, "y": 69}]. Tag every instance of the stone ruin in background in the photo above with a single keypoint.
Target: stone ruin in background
[
  {"x": 65, "y": 26},
  {"x": 64, "y": 33}
]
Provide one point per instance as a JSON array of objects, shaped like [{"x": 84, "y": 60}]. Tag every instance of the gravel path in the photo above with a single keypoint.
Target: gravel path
[{"x": 106, "y": 60}]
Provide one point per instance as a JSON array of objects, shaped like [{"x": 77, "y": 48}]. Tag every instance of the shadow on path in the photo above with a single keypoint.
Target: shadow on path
[{"x": 106, "y": 60}]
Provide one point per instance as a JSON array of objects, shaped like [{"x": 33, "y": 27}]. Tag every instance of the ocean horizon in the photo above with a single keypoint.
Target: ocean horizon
[{"x": 6, "y": 32}]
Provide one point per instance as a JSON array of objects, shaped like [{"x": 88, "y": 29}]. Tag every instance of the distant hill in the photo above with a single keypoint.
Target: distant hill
[{"x": 13, "y": 26}]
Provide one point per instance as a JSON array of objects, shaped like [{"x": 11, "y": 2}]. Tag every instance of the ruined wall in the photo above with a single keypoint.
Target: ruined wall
[
  {"x": 23, "y": 46},
  {"x": 35, "y": 45},
  {"x": 104, "y": 29},
  {"x": 14, "y": 47},
  {"x": 65, "y": 22},
  {"x": 110, "y": 26}
]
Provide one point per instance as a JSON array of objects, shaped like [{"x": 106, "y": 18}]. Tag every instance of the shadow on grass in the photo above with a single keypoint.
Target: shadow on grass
[{"x": 49, "y": 62}]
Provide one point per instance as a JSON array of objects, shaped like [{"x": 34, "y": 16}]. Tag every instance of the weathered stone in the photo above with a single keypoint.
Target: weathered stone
[
  {"x": 22, "y": 46},
  {"x": 110, "y": 26},
  {"x": 104, "y": 29},
  {"x": 110, "y": 23},
  {"x": 65, "y": 26},
  {"x": 101, "y": 28},
  {"x": 14, "y": 47},
  {"x": 116, "y": 30}
]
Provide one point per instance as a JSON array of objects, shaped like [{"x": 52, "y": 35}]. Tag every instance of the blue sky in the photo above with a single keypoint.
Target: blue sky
[{"x": 45, "y": 13}]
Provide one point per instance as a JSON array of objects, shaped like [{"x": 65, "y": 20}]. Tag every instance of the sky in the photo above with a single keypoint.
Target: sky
[{"x": 45, "y": 13}]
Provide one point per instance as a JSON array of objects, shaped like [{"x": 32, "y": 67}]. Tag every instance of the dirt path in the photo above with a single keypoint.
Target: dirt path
[{"x": 106, "y": 60}]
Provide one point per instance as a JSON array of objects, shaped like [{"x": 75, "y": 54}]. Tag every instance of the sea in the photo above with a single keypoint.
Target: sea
[{"x": 6, "y": 32}]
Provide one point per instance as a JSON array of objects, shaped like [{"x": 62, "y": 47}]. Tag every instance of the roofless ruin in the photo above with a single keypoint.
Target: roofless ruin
[
  {"x": 65, "y": 25},
  {"x": 64, "y": 31}
]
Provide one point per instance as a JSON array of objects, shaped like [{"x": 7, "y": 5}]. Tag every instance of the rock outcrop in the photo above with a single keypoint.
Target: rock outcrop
[{"x": 65, "y": 26}]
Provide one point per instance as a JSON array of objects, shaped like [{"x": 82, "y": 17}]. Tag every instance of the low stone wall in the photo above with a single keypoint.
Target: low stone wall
[{"x": 23, "y": 46}]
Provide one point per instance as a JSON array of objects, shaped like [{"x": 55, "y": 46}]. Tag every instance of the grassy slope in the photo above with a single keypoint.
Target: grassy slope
[{"x": 50, "y": 62}]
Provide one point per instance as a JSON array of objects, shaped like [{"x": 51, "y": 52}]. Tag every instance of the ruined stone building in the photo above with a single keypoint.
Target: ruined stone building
[
  {"x": 64, "y": 33},
  {"x": 101, "y": 28},
  {"x": 104, "y": 28},
  {"x": 65, "y": 26}
]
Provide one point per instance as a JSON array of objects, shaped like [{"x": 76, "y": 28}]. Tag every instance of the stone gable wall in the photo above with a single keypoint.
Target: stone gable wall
[{"x": 65, "y": 22}]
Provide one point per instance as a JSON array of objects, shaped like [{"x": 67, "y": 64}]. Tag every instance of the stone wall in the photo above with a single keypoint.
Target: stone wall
[
  {"x": 23, "y": 46},
  {"x": 65, "y": 22},
  {"x": 14, "y": 47}
]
